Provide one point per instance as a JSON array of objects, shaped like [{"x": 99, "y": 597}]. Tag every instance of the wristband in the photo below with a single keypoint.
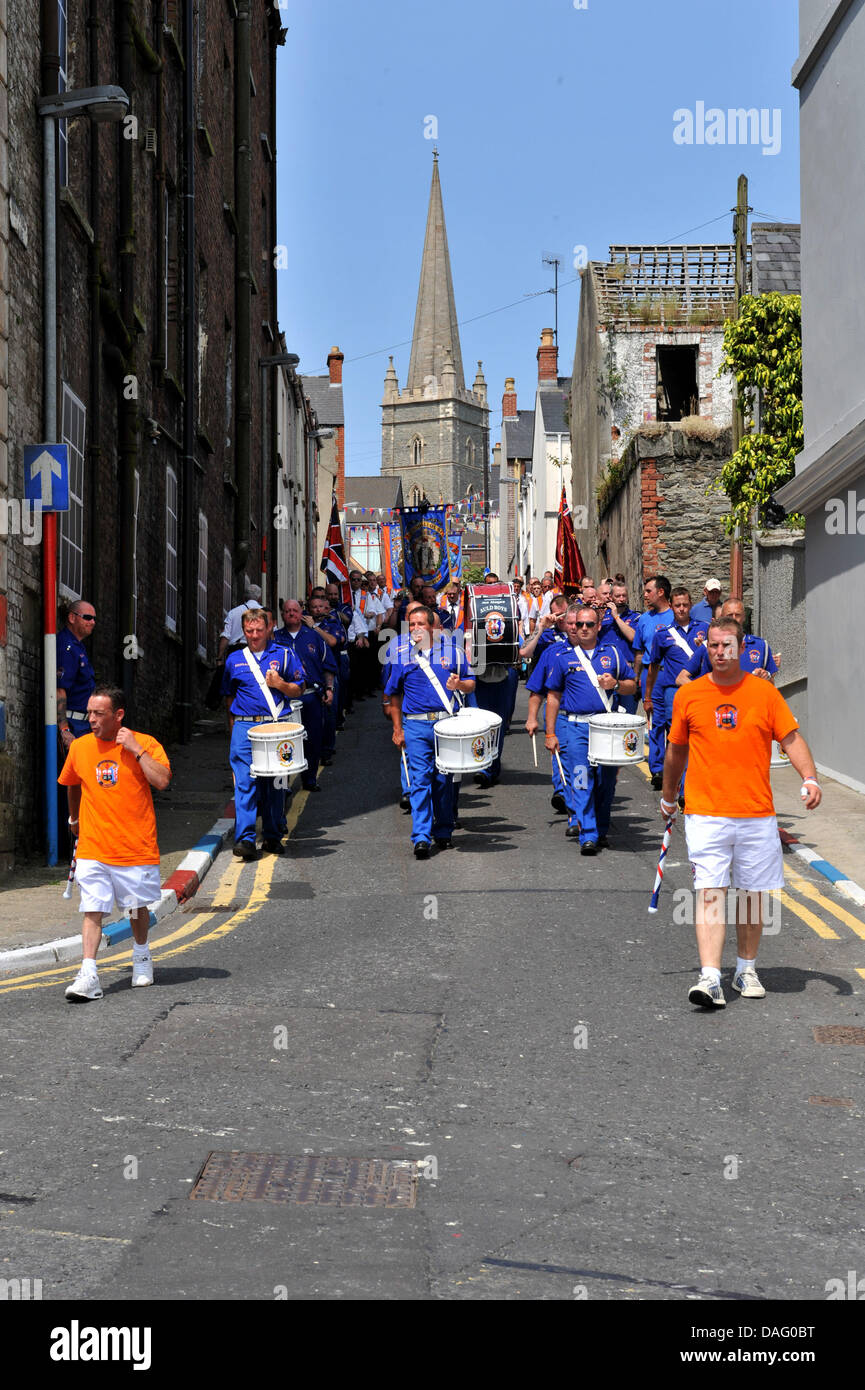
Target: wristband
[
  {"x": 810, "y": 779},
  {"x": 669, "y": 807},
  {"x": 64, "y": 728},
  {"x": 70, "y": 821},
  {"x": 139, "y": 756}
]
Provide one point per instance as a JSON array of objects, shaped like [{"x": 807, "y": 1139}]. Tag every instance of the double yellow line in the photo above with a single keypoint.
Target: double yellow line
[{"x": 190, "y": 934}]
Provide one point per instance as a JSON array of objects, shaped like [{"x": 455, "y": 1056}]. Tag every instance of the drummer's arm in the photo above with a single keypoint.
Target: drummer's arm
[
  {"x": 627, "y": 687},
  {"x": 293, "y": 689},
  {"x": 393, "y": 708},
  {"x": 654, "y": 668}
]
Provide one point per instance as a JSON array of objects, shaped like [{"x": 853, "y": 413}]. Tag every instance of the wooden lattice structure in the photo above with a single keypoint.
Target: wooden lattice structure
[{"x": 667, "y": 284}]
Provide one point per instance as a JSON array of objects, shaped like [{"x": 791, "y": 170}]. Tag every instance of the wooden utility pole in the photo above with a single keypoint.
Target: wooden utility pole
[{"x": 740, "y": 237}]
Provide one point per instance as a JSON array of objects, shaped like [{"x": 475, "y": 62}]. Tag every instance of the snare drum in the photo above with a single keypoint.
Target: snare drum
[
  {"x": 616, "y": 740},
  {"x": 277, "y": 749},
  {"x": 463, "y": 743},
  {"x": 779, "y": 757}
]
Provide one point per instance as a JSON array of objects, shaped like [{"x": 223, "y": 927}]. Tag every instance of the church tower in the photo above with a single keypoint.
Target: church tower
[{"x": 435, "y": 432}]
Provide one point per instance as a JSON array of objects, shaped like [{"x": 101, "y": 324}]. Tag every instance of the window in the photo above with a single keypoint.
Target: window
[
  {"x": 470, "y": 453},
  {"x": 136, "y": 492},
  {"x": 202, "y": 586},
  {"x": 417, "y": 450},
  {"x": 71, "y": 529},
  {"x": 63, "y": 50},
  {"x": 677, "y": 391},
  {"x": 364, "y": 547},
  {"x": 172, "y": 283},
  {"x": 416, "y": 496},
  {"x": 171, "y": 549},
  {"x": 227, "y": 582}
]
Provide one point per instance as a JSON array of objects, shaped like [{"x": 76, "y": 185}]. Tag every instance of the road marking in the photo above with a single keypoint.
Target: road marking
[
  {"x": 813, "y": 922},
  {"x": 810, "y": 890},
  {"x": 46, "y": 979}
]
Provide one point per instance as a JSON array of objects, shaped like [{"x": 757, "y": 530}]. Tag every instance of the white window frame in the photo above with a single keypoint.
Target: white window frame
[
  {"x": 73, "y": 433},
  {"x": 227, "y": 583},
  {"x": 202, "y": 586},
  {"x": 136, "y": 495},
  {"x": 171, "y": 549}
]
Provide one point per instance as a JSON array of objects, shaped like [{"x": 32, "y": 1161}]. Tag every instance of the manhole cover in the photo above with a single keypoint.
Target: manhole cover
[
  {"x": 307, "y": 1180},
  {"x": 839, "y": 1034},
  {"x": 828, "y": 1100}
]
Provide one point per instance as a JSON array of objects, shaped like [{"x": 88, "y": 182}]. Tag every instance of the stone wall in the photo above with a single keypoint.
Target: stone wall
[
  {"x": 779, "y": 611},
  {"x": 664, "y": 519}
]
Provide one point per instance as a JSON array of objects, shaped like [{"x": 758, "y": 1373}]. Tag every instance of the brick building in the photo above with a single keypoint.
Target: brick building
[{"x": 166, "y": 291}]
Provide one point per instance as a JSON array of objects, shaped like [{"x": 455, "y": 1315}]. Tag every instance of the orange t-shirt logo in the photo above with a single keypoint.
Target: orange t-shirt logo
[{"x": 106, "y": 773}]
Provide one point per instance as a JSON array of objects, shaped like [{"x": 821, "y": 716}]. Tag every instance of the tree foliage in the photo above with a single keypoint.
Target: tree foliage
[{"x": 763, "y": 350}]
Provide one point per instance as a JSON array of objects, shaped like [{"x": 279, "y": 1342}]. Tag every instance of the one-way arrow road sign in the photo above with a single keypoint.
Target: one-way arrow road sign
[{"x": 46, "y": 476}]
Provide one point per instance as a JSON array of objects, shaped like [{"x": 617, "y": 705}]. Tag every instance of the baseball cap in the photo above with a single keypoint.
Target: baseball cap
[{"x": 712, "y": 583}]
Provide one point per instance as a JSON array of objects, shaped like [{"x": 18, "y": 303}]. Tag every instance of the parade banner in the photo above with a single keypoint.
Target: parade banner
[
  {"x": 425, "y": 545},
  {"x": 455, "y": 558},
  {"x": 392, "y": 555},
  {"x": 333, "y": 564}
]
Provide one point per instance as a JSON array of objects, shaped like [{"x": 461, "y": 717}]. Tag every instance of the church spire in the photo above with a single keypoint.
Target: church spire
[{"x": 436, "y": 336}]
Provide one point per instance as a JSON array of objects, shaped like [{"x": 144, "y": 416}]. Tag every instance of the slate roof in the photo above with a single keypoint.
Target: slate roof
[
  {"x": 519, "y": 432},
  {"x": 552, "y": 402},
  {"x": 775, "y": 258},
  {"x": 371, "y": 491},
  {"x": 326, "y": 400}
]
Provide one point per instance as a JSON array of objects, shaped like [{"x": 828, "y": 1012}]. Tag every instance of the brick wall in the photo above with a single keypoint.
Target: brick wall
[{"x": 126, "y": 337}]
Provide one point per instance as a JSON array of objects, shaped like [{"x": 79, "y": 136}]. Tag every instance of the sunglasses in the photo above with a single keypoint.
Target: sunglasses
[{"x": 579, "y": 624}]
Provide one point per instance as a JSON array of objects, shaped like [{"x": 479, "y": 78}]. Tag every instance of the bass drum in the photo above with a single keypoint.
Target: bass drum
[{"x": 494, "y": 625}]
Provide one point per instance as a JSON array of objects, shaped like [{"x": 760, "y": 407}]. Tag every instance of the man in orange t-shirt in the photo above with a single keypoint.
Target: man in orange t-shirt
[
  {"x": 109, "y": 773},
  {"x": 723, "y": 726}
]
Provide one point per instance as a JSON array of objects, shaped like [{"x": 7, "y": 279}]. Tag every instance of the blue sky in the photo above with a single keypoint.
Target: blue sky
[{"x": 555, "y": 130}]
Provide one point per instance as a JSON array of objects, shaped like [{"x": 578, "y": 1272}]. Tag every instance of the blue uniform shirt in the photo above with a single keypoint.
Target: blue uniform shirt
[
  {"x": 310, "y": 649},
  {"x": 405, "y": 673},
  {"x": 74, "y": 672},
  {"x": 755, "y": 654},
  {"x": 609, "y": 634},
  {"x": 246, "y": 695},
  {"x": 565, "y": 672},
  {"x": 644, "y": 629},
  {"x": 702, "y": 612},
  {"x": 537, "y": 681},
  {"x": 334, "y": 625},
  {"x": 668, "y": 652}
]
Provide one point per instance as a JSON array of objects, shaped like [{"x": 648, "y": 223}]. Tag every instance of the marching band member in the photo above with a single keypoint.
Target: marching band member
[{"x": 422, "y": 676}]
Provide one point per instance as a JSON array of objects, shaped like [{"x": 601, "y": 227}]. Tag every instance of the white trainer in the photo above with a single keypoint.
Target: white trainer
[
  {"x": 142, "y": 971},
  {"x": 707, "y": 994},
  {"x": 747, "y": 982},
  {"x": 85, "y": 986}
]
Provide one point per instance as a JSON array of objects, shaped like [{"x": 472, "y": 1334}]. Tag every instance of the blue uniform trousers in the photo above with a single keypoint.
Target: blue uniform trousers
[
  {"x": 498, "y": 699},
  {"x": 313, "y": 722},
  {"x": 253, "y": 795},
  {"x": 590, "y": 790},
  {"x": 432, "y": 810},
  {"x": 328, "y": 717},
  {"x": 558, "y": 784}
]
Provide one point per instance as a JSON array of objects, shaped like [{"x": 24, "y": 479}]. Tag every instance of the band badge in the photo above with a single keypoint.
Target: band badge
[
  {"x": 754, "y": 655},
  {"x": 274, "y": 665},
  {"x": 479, "y": 748},
  {"x": 285, "y": 751},
  {"x": 629, "y": 742},
  {"x": 106, "y": 773},
  {"x": 726, "y": 716},
  {"x": 605, "y": 662},
  {"x": 495, "y": 627}
]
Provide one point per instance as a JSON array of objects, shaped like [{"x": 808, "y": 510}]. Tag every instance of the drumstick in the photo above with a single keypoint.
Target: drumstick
[
  {"x": 535, "y": 750},
  {"x": 67, "y": 891},
  {"x": 559, "y": 761},
  {"x": 659, "y": 876},
  {"x": 405, "y": 766}
]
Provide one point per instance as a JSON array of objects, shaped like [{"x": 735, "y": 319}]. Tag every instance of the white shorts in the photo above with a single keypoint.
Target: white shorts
[
  {"x": 750, "y": 849},
  {"x": 129, "y": 885}
]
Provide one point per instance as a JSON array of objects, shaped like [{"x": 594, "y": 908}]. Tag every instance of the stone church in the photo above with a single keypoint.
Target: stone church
[{"x": 435, "y": 433}]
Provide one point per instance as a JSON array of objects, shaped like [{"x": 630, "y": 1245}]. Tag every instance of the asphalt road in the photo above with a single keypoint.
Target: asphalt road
[{"x": 507, "y": 1012}]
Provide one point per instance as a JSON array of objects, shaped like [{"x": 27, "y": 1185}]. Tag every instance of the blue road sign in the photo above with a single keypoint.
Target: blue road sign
[{"x": 46, "y": 476}]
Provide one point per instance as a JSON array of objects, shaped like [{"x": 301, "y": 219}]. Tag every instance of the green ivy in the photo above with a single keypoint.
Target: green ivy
[{"x": 763, "y": 350}]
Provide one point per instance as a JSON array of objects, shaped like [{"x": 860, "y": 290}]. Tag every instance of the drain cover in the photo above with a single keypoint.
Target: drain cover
[
  {"x": 308, "y": 1180},
  {"x": 839, "y": 1034}
]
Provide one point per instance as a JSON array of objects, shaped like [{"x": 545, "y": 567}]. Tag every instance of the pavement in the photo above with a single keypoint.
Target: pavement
[{"x": 195, "y": 818}]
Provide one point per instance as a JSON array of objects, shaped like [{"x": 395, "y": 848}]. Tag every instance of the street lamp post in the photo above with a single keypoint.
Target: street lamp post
[{"x": 100, "y": 104}]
